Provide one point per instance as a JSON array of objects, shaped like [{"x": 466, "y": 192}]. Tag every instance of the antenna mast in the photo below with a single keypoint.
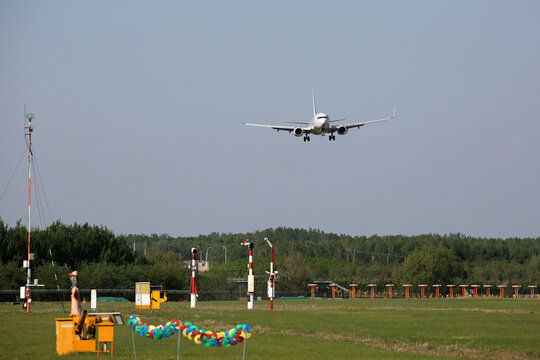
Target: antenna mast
[{"x": 29, "y": 117}]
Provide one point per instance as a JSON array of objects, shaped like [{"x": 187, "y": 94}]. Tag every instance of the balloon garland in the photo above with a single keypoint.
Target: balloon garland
[
  {"x": 207, "y": 338},
  {"x": 151, "y": 331}
]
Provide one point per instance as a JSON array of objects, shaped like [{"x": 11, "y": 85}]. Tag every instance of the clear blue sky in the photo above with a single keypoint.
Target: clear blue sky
[{"x": 139, "y": 109}]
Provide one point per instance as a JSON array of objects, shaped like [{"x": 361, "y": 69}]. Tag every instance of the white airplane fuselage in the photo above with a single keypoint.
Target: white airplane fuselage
[{"x": 320, "y": 124}]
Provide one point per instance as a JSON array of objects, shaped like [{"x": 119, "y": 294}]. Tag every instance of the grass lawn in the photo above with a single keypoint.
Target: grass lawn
[{"x": 307, "y": 329}]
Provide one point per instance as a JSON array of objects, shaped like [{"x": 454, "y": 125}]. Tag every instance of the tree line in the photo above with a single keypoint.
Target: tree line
[{"x": 106, "y": 260}]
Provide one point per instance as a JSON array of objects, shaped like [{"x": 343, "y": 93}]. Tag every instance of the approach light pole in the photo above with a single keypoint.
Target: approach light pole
[
  {"x": 206, "y": 257},
  {"x": 251, "y": 277},
  {"x": 271, "y": 279},
  {"x": 193, "y": 279},
  {"x": 225, "y": 252}
]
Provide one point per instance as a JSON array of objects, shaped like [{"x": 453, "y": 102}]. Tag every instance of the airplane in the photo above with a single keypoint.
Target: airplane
[{"x": 320, "y": 124}]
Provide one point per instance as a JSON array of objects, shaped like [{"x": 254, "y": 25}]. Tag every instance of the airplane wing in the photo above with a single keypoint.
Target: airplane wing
[
  {"x": 280, "y": 128},
  {"x": 357, "y": 125}
]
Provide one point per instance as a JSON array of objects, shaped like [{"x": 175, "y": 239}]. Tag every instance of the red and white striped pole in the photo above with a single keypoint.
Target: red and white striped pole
[
  {"x": 251, "y": 277},
  {"x": 271, "y": 279},
  {"x": 194, "y": 294},
  {"x": 29, "y": 116}
]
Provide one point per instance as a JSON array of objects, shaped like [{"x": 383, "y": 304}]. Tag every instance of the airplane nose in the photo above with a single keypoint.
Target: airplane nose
[{"x": 324, "y": 123}]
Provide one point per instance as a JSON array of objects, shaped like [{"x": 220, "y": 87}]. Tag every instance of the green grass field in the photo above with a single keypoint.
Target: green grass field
[{"x": 307, "y": 329}]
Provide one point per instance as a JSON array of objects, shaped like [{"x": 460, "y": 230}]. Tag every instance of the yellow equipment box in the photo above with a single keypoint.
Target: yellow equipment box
[
  {"x": 105, "y": 337},
  {"x": 78, "y": 334},
  {"x": 67, "y": 341}
]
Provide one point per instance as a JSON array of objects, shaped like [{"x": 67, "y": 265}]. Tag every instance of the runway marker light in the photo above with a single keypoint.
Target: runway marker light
[
  {"x": 389, "y": 286},
  {"x": 501, "y": 290},
  {"x": 451, "y": 290},
  {"x": 313, "y": 287},
  {"x": 353, "y": 291},
  {"x": 422, "y": 290},
  {"x": 516, "y": 290},
  {"x": 407, "y": 287},
  {"x": 437, "y": 288},
  {"x": 334, "y": 287},
  {"x": 372, "y": 290}
]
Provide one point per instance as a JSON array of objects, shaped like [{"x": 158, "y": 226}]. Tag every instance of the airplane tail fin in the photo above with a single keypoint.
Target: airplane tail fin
[{"x": 314, "y": 108}]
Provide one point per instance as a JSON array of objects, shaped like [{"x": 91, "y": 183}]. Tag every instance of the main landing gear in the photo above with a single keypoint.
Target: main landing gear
[
  {"x": 306, "y": 138},
  {"x": 332, "y": 137}
]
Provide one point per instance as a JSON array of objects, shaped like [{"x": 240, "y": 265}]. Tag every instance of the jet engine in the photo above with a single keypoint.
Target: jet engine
[
  {"x": 298, "y": 132},
  {"x": 342, "y": 130}
]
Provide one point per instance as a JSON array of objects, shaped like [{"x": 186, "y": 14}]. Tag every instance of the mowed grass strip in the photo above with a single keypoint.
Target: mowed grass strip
[{"x": 308, "y": 329}]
